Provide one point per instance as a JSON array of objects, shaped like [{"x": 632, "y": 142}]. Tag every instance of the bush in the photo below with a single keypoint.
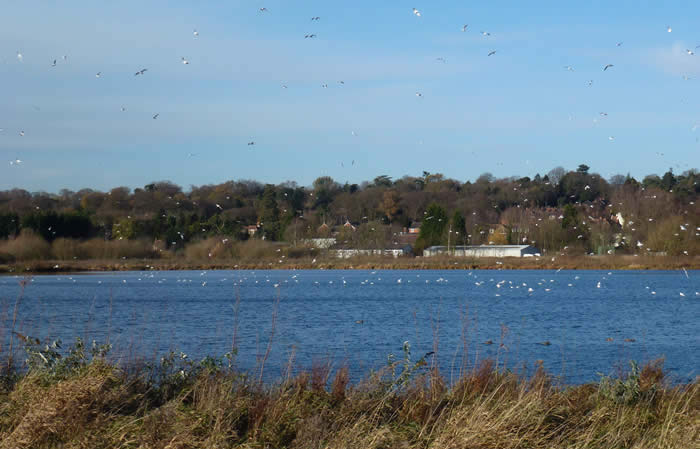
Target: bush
[{"x": 28, "y": 246}]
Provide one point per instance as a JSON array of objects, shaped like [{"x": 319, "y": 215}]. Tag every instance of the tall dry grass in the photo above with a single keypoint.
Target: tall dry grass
[
  {"x": 26, "y": 246},
  {"x": 98, "y": 406}
]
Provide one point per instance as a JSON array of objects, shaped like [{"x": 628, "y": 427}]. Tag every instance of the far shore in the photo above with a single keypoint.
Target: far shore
[{"x": 627, "y": 262}]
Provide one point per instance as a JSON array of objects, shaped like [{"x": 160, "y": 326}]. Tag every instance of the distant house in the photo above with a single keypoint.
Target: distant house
[{"x": 484, "y": 251}]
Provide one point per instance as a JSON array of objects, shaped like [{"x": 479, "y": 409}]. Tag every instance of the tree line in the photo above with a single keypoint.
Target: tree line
[{"x": 562, "y": 209}]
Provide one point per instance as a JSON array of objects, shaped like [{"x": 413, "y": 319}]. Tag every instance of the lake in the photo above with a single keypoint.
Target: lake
[{"x": 579, "y": 323}]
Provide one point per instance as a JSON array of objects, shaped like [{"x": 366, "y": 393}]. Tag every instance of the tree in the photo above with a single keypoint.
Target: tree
[
  {"x": 269, "y": 214},
  {"x": 390, "y": 204},
  {"x": 459, "y": 228},
  {"x": 433, "y": 227},
  {"x": 382, "y": 181},
  {"x": 617, "y": 180},
  {"x": 556, "y": 174}
]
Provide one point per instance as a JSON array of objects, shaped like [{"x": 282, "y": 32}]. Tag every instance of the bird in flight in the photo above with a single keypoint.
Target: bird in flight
[
  {"x": 492, "y": 52},
  {"x": 611, "y": 138},
  {"x": 668, "y": 28},
  {"x": 15, "y": 162},
  {"x": 123, "y": 109},
  {"x": 690, "y": 52},
  {"x": 315, "y": 18},
  {"x": 607, "y": 67},
  {"x": 464, "y": 28},
  {"x": 140, "y": 72},
  {"x": 443, "y": 60},
  {"x": 195, "y": 33},
  {"x": 155, "y": 116},
  {"x": 21, "y": 133},
  {"x": 569, "y": 68},
  {"x": 19, "y": 56},
  {"x": 309, "y": 36},
  {"x": 54, "y": 63},
  {"x": 485, "y": 33},
  {"x": 416, "y": 12},
  {"x": 619, "y": 44},
  {"x": 418, "y": 94},
  {"x": 251, "y": 143},
  {"x": 98, "y": 74},
  {"x": 590, "y": 83},
  {"x": 263, "y": 9},
  {"x": 185, "y": 61}
]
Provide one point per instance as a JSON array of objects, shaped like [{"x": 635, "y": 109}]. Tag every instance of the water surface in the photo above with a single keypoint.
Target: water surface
[{"x": 360, "y": 317}]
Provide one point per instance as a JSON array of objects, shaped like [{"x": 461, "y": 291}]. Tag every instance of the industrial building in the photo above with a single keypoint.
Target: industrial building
[{"x": 484, "y": 251}]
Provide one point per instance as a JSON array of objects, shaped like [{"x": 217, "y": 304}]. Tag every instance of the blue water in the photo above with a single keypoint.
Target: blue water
[{"x": 149, "y": 313}]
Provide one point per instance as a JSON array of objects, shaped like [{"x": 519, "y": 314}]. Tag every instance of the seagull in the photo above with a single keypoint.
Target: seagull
[
  {"x": 123, "y": 109},
  {"x": 155, "y": 116},
  {"x": 607, "y": 67},
  {"x": 140, "y": 72},
  {"x": 21, "y": 133},
  {"x": 263, "y": 9},
  {"x": 619, "y": 44},
  {"x": 569, "y": 68},
  {"x": 19, "y": 56},
  {"x": 195, "y": 33},
  {"x": 15, "y": 162},
  {"x": 464, "y": 28},
  {"x": 185, "y": 61},
  {"x": 309, "y": 36},
  {"x": 416, "y": 12},
  {"x": 316, "y": 18},
  {"x": 325, "y": 86},
  {"x": 251, "y": 143},
  {"x": 668, "y": 28},
  {"x": 443, "y": 60},
  {"x": 485, "y": 33},
  {"x": 98, "y": 74},
  {"x": 492, "y": 52},
  {"x": 611, "y": 138},
  {"x": 284, "y": 86},
  {"x": 54, "y": 63},
  {"x": 418, "y": 94},
  {"x": 690, "y": 52},
  {"x": 590, "y": 83}
]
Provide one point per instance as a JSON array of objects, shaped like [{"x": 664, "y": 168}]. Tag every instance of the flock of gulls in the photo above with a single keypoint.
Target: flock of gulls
[
  {"x": 480, "y": 285},
  {"x": 264, "y": 10}
]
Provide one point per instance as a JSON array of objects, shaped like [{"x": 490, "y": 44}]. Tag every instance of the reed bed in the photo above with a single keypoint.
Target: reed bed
[{"x": 79, "y": 399}]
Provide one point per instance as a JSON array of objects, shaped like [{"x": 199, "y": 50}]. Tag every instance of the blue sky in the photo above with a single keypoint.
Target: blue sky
[{"x": 517, "y": 112}]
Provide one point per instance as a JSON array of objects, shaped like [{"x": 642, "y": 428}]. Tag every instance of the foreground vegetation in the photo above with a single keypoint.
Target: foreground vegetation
[{"x": 79, "y": 399}]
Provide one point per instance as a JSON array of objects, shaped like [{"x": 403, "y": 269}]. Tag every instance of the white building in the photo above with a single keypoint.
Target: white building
[{"x": 484, "y": 251}]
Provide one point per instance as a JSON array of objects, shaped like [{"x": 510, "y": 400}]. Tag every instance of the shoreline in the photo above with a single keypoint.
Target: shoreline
[{"x": 364, "y": 263}]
